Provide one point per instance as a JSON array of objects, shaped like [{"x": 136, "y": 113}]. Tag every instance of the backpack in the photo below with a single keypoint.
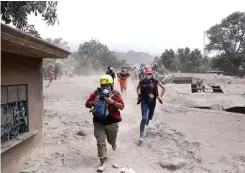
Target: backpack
[{"x": 100, "y": 109}]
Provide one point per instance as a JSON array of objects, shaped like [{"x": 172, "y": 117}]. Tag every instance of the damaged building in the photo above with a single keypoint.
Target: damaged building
[
  {"x": 208, "y": 91},
  {"x": 22, "y": 95}
]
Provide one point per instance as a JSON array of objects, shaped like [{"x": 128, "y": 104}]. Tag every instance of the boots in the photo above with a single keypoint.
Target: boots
[{"x": 102, "y": 166}]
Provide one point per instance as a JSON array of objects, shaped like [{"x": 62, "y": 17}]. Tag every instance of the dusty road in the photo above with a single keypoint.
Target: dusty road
[{"x": 179, "y": 138}]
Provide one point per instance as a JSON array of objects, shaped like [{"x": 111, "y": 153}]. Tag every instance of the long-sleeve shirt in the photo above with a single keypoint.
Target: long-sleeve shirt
[{"x": 114, "y": 113}]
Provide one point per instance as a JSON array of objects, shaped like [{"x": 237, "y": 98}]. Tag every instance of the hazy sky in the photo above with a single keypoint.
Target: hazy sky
[{"x": 140, "y": 25}]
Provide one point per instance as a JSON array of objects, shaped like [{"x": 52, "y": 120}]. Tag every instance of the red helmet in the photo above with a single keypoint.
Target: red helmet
[{"x": 148, "y": 71}]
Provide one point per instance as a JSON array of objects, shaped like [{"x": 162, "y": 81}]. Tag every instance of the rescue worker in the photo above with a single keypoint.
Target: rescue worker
[
  {"x": 147, "y": 93},
  {"x": 106, "y": 104},
  {"x": 123, "y": 75}
]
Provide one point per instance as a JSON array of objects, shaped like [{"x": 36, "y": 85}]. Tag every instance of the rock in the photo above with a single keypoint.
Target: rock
[
  {"x": 81, "y": 133},
  {"x": 115, "y": 166},
  {"x": 126, "y": 170},
  {"x": 173, "y": 164}
]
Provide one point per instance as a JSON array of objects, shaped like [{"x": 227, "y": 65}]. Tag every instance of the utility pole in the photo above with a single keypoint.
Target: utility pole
[{"x": 204, "y": 45}]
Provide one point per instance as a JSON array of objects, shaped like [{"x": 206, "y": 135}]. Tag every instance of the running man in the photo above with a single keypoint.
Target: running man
[
  {"x": 106, "y": 104},
  {"x": 123, "y": 75}
]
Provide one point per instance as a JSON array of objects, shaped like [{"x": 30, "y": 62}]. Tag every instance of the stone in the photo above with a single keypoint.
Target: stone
[
  {"x": 81, "y": 133},
  {"x": 115, "y": 166},
  {"x": 173, "y": 164},
  {"x": 126, "y": 170}
]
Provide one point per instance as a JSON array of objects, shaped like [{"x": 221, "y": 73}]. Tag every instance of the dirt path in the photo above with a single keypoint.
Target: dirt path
[{"x": 178, "y": 138}]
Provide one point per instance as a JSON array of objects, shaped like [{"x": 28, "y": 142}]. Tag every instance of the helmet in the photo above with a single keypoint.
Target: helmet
[
  {"x": 106, "y": 79},
  {"x": 111, "y": 68},
  {"x": 148, "y": 71}
]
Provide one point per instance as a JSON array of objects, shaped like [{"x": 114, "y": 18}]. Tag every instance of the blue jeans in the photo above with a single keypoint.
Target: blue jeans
[{"x": 147, "y": 111}]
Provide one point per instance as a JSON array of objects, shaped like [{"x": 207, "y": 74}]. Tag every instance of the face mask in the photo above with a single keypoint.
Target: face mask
[
  {"x": 106, "y": 88},
  {"x": 148, "y": 76}
]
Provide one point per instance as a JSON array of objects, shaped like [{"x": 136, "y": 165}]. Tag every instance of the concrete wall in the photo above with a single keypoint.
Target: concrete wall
[
  {"x": 17, "y": 69},
  {"x": 182, "y": 80}
]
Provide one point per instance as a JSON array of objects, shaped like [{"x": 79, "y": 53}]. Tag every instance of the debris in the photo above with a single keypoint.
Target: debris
[
  {"x": 81, "y": 133},
  {"x": 173, "y": 164},
  {"x": 63, "y": 160},
  {"x": 126, "y": 170},
  {"x": 115, "y": 166},
  {"x": 32, "y": 169},
  {"x": 217, "y": 107},
  {"x": 58, "y": 155}
]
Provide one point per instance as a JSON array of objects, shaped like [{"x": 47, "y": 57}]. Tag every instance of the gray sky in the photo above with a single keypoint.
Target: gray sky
[{"x": 140, "y": 25}]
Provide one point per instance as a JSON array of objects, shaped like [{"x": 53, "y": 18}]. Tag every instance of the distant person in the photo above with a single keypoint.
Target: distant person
[
  {"x": 123, "y": 75},
  {"x": 147, "y": 92},
  {"x": 107, "y": 72},
  {"x": 106, "y": 104},
  {"x": 112, "y": 74},
  {"x": 51, "y": 76},
  {"x": 142, "y": 72},
  {"x": 135, "y": 73}
]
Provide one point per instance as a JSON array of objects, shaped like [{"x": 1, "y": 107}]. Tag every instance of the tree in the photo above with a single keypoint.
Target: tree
[
  {"x": 97, "y": 54},
  {"x": 52, "y": 64},
  {"x": 183, "y": 60},
  {"x": 58, "y": 42},
  {"x": 56, "y": 63},
  {"x": 183, "y": 55},
  {"x": 176, "y": 64},
  {"x": 16, "y": 12},
  {"x": 167, "y": 58},
  {"x": 227, "y": 39}
]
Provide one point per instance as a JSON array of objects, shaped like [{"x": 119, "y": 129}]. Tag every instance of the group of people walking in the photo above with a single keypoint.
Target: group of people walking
[{"x": 106, "y": 102}]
